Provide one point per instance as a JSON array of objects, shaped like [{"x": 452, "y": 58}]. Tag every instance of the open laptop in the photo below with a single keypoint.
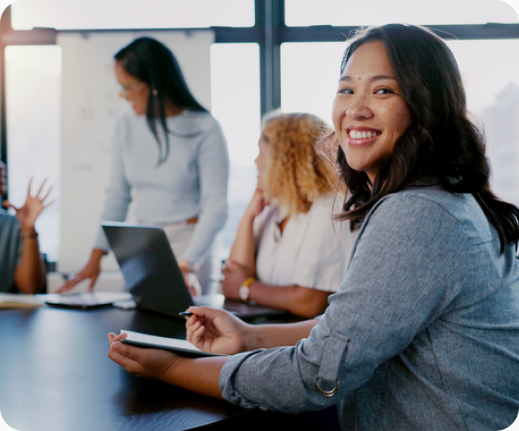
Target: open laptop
[{"x": 152, "y": 275}]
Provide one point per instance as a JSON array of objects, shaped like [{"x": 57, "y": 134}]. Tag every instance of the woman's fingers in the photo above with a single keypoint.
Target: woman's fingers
[
  {"x": 197, "y": 336},
  {"x": 8, "y": 204},
  {"x": 41, "y": 188},
  {"x": 48, "y": 203},
  {"x": 129, "y": 357},
  {"x": 121, "y": 354},
  {"x": 29, "y": 187},
  {"x": 47, "y": 193}
]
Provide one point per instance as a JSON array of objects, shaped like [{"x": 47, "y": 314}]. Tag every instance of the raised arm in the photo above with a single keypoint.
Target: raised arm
[
  {"x": 243, "y": 251},
  {"x": 29, "y": 275}
]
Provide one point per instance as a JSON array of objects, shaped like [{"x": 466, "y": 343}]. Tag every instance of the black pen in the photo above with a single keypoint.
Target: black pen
[{"x": 185, "y": 313}]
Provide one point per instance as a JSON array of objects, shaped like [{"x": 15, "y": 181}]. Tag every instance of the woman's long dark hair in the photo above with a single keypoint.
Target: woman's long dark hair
[
  {"x": 150, "y": 61},
  {"x": 440, "y": 144}
]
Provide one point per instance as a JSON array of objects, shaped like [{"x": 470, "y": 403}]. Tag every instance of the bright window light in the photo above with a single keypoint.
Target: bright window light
[
  {"x": 118, "y": 14},
  {"x": 33, "y": 78},
  {"x": 235, "y": 96},
  {"x": 425, "y": 12},
  {"x": 310, "y": 72}
]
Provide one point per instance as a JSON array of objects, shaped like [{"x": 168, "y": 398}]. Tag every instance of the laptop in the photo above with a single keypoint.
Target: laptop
[{"x": 153, "y": 277}]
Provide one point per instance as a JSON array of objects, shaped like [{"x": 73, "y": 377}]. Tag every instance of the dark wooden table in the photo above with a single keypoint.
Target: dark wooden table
[{"x": 55, "y": 375}]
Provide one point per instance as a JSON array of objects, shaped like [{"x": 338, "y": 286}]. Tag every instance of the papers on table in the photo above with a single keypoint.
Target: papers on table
[{"x": 17, "y": 300}]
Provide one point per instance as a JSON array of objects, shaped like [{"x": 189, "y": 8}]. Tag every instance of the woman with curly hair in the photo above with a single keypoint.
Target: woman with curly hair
[{"x": 286, "y": 253}]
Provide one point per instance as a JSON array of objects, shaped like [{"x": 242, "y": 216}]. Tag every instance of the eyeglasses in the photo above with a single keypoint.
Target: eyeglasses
[{"x": 130, "y": 87}]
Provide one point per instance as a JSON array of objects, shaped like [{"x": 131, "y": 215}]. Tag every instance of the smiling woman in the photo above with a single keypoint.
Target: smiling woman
[
  {"x": 369, "y": 113},
  {"x": 423, "y": 332}
]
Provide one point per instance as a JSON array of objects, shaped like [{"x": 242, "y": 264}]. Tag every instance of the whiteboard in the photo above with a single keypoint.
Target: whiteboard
[{"x": 90, "y": 104}]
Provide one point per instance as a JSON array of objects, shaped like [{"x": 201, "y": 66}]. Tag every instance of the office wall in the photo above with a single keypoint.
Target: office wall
[{"x": 89, "y": 108}]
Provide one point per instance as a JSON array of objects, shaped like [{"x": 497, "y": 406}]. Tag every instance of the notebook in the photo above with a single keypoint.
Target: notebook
[
  {"x": 152, "y": 275},
  {"x": 177, "y": 345}
]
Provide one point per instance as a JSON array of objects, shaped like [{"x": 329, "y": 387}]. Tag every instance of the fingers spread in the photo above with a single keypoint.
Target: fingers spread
[
  {"x": 29, "y": 188},
  {"x": 48, "y": 192},
  {"x": 41, "y": 188}
]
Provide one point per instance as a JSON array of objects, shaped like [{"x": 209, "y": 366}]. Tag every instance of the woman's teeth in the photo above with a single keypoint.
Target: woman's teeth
[{"x": 355, "y": 134}]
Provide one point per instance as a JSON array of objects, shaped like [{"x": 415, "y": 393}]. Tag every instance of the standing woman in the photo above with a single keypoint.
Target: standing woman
[
  {"x": 168, "y": 152},
  {"x": 423, "y": 333}
]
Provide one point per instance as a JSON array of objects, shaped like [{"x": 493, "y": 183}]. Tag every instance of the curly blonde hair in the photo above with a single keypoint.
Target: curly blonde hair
[{"x": 296, "y": 176}]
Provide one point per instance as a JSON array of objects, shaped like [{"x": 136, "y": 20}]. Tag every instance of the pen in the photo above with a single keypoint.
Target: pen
[{"x": 185, "y": 313}]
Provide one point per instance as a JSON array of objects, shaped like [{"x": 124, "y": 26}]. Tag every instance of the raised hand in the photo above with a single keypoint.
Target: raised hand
[
  {"x": 257, "y": 204},
  {"x": 217, "y": 331},
  {"x": 33, "y": 206}
]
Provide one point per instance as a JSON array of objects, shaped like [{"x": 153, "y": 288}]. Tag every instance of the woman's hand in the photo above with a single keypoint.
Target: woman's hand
[
  {"x": 190, "y": 278},
  {"x": 149, "y": 363},
  {"x": 91, "y": 270},
  {"x": 233, "y": 276},
  {"x": 32, "y": 208},
  {"x": 217, "y": 331},
  {"x": 257, "y": 204},
  {"x": 192, "y": 283}
]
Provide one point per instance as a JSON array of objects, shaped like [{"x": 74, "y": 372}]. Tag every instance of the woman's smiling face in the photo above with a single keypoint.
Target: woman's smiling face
[{"x": 369, "y": 114}]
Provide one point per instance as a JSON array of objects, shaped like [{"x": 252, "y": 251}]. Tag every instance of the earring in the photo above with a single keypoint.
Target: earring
[{"x": 155, "y": 92}]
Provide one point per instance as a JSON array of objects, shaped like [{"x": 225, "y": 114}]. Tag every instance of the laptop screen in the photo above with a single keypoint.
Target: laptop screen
[{"x": 149, "y": 267}]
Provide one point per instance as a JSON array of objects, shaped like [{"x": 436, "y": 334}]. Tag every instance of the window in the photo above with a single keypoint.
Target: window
[
  {"x": 424, "y": 12},
  {"x": 309, "y": 74},
  {"x": 235, "y": 96},
  {"x": 491, "y": 79},
  {"x": 119, "y": 14},
  {"x": 33, "y": 126}
]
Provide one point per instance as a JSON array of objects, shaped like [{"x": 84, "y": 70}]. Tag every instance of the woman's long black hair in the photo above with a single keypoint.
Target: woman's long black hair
[
  {"x": 150, "y": 61},
  {"x": 440, "y": 144}
]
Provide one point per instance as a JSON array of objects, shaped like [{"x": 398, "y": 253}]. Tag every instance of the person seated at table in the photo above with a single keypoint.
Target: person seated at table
[
  {"x": 423, "y": 333},
  {"x": 22, "y": 269},
  {"x": 287, "y": 253}
]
